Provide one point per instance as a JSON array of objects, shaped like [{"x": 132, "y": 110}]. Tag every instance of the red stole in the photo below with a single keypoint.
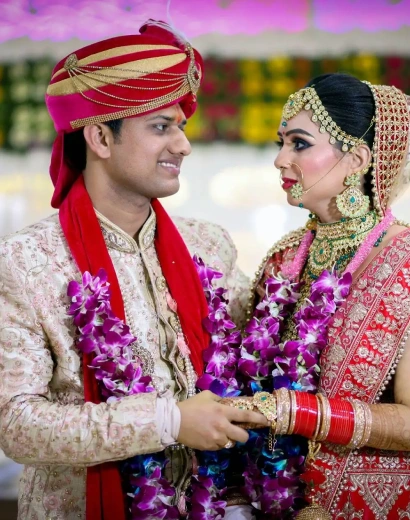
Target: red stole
[{"x": 104, "y": 496}]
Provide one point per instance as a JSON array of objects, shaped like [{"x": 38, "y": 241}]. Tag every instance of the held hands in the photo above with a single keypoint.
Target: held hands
[
  {"x": 247, "y": 403},
  {"x": 208, "y": 424}
]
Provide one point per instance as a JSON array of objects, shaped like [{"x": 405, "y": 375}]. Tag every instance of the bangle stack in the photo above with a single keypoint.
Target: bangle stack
[
  {"x": 318, "y": 418},
  {"x": 362, "y": 425},
  {"x": 345, "y": 422}
]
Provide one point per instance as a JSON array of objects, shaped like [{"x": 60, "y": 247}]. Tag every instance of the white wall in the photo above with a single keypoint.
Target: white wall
[{"x": 308, "y": 43}]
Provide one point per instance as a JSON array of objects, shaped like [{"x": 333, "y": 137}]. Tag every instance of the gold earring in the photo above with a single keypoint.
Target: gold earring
[{"x": 352, "y": 202}]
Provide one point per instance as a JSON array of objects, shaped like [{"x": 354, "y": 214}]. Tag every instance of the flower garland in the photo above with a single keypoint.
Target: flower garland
[
  {"x": 119, "y": 373},
  {"x": 101, "y": 332},
  {"x": 222, "y": 355},
  {"x": 272, "y": 480},
  {"x": 232, "y": 365}
]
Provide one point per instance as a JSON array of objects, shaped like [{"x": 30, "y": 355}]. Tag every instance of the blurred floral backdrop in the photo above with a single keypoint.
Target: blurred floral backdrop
[{"x": 240, "y": 100}]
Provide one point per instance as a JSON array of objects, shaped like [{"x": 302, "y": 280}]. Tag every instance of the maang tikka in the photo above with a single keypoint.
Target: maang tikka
[{"x": 308, "y": 99}]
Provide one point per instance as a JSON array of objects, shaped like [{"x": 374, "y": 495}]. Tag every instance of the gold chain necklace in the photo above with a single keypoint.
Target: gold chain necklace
[{"x": 336, "y": 243}]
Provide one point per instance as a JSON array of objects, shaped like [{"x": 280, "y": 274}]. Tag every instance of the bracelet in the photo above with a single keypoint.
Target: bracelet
[
  {"x": 358, "y": 428},
  {"x": 319, "y": 419},
  {"x": 306, "y": 414},
  {"x": 292, "y": 420},
  {"x": 341, "y": 422},
  {"x": 326, "y": 415},
  {"x": 283, "y": 411},
  {"x": 266, "y": 404},
  {"x": 362, "y": 425},
  {"x": 242, "y": 404},
  {"x": 286, "y": 410},
  {"x": 368, "y": 418}
]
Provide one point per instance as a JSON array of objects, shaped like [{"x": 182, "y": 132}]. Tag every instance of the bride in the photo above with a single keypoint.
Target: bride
[{"x": 337, "y": 294}]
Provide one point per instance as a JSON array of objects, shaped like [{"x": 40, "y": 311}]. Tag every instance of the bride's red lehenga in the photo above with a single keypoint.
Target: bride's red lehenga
[{"x": 366, "y": 339}]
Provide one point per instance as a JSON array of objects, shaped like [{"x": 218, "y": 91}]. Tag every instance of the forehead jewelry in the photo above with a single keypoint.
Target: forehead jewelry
[{"x": 308, "y": 99}]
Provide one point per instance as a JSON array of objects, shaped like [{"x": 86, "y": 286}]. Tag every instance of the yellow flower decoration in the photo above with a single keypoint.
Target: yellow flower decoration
[
  {"x": 280, "y": 65},
  {"x": 276, "y": 114},
  {"x": 256, "y": 123},
  {"x": 252, "y": 86},
  {"x": 365, "y": 64},
  {"x": 250, "y": 67},
  {"x": 195, "y": 126},
  {"x": 282, "y": 88}
]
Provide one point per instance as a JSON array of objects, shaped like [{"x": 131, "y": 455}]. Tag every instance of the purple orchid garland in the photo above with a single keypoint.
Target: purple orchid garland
[
  {"x": 296, "y": 360},
  {"x": 119, "y": 374},
  {"x": 272, "y": 483},
  {"x": 222, "y": 355},
  {"x": 109, "y": 338},
  {"x": 232, "y": 366}
]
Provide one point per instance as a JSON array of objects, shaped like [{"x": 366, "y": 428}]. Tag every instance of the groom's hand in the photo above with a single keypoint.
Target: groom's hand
[{"x": 208, "y": 424}]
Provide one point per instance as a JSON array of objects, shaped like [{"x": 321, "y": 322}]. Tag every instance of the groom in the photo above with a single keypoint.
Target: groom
[{"x": 119, "y": 107}]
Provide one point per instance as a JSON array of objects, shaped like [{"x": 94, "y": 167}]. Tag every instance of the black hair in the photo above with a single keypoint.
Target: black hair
[
  {"x": 351, "y": 105},
  {"x": 75, "y": 147}
]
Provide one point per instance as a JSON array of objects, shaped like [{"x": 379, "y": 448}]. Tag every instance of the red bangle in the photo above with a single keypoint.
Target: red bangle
[
  {"x": 306, "y": 414},
  {"x": 341, "y": 421}
]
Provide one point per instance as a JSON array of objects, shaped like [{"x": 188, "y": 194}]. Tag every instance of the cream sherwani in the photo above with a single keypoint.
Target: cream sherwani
[{"x": 44, "y": 421}]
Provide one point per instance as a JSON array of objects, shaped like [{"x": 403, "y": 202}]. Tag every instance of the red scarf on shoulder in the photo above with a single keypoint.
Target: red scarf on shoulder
[{"x": 104, "y": 496}]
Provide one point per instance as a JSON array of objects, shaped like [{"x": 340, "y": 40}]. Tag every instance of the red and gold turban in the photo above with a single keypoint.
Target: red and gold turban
[
  {"x": 120, "y": 77},
  {"x": 116, "y": 78},
  {"x": 124, "y": 77}
]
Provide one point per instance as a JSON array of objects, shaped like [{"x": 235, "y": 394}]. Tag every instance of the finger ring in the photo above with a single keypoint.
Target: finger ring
[{"x": 230, "y": 444}]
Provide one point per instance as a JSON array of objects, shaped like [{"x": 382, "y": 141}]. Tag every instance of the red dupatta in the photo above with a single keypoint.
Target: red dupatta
[{"x": 104, "y": 496}]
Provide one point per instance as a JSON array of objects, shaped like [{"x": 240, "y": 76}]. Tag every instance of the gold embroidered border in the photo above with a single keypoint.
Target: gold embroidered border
[{"x": 145, "y": 107}]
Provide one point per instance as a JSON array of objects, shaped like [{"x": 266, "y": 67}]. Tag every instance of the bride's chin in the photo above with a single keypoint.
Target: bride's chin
[{"x": 292, "y": 201}]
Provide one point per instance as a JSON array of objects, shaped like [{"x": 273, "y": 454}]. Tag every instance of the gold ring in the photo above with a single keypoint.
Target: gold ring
[{"x": 230, "y": 444}]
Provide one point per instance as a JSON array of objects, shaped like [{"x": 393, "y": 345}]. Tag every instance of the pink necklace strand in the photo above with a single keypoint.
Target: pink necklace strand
[{"x": 293, "y": 270}]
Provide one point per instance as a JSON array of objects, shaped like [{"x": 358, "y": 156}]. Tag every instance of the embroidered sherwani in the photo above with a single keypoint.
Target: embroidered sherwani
[{"x": 44, "y": 421}]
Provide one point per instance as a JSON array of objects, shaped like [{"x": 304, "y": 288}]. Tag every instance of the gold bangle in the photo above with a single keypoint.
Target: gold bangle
[
  {"x": 319, "y": 418},
  {"x": 279, "y": 413},
  {"x": 283, "y": 411},
  {"x": 326, "y": 416},
  {"x": 359, "y": 424},
  {"x": 292, "y": 419},
  {"x": 368, "y": 420}
]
